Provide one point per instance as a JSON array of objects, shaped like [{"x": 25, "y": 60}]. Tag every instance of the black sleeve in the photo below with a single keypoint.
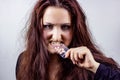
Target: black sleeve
[
  {"x": 107, "y": 73},
  {"x": 18, "y": 63}
]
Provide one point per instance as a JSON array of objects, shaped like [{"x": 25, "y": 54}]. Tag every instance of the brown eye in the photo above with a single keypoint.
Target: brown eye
[
  {"x": 65, "y": 27},
  {"x": 47, "y": 26}
]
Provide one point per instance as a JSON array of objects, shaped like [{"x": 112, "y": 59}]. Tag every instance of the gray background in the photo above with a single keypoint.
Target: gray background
[{"x": 103, "y": 19}]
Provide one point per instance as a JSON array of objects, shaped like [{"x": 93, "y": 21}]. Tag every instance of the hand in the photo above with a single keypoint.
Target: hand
[{"x": 82, "y": 57}]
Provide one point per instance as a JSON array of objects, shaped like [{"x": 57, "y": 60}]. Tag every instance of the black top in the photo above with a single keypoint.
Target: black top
[
  {"x": 107, "y": 73},
  {"x": 103, "y": 72}
]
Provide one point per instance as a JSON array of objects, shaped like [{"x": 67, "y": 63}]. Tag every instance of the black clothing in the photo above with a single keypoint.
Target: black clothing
[
  {"x": 107, "y": 73},
  {"x": 103, "y": 72}
]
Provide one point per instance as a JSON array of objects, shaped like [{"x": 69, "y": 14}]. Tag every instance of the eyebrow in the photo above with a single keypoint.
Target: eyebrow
[{"x": 48, "y": 23}]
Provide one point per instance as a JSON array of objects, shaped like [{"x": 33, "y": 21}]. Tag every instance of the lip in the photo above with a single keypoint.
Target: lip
[
  {"x": 55, "y": 44},
  {"x": 59, "y": 46}
]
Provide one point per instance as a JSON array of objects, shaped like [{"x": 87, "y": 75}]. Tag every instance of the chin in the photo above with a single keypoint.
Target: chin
[{"x": 51, "y": 51}]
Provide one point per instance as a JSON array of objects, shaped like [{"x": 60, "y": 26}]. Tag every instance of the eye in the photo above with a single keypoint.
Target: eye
[
  {"x": 48, "y": 26},
  {"x": 65, "y": 27}
]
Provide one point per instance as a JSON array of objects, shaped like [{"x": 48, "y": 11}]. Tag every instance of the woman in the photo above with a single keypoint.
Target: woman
[{"x": 56, "y": 22}]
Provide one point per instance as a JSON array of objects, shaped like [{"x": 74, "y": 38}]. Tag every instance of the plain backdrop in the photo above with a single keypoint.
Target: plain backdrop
[{"x": 103, "y": 17}]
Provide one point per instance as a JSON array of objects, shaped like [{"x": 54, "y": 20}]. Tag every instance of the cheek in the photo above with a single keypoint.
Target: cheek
[
  {"x": 45, "y": 34},
  {"x": 68, "y": 37}
]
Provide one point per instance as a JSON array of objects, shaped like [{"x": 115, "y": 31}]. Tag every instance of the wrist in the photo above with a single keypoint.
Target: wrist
[{"x": 95, "y": 67}]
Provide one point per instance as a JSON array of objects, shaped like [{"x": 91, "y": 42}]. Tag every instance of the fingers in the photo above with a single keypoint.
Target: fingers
[
  {"x": 77, "y": 55},
  {"x": 82, "y": 57}
]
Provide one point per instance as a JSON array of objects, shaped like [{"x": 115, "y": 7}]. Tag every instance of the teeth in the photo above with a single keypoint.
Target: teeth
[{"x": 56, "y": 44}]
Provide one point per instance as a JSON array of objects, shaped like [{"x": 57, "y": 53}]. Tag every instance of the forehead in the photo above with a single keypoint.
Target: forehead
[{"x": 56, "y": 15}]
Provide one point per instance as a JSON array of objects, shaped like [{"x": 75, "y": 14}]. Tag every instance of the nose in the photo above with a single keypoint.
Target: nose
[{"x": 56, "y": 34}]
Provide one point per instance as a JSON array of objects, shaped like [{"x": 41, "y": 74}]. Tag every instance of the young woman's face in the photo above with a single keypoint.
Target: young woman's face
[{"x": 57, "y": 27}]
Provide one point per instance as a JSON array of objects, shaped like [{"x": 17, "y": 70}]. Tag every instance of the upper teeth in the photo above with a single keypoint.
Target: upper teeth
[{"x": 55, "y": 43}]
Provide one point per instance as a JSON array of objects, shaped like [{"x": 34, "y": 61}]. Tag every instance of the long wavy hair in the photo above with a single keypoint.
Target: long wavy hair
[{"x": 33, "y": 62}]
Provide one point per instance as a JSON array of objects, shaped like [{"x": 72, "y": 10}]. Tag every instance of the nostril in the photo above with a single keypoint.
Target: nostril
[{"x": 61, "y": 42}]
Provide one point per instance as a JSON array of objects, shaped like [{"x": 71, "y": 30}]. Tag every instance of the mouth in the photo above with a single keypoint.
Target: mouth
[
  {"x": 59, "y": 47},
  {"x": 56, "y": 44}
]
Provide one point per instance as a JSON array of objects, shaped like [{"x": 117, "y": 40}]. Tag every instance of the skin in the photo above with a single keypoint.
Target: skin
[
  {"x": 57, "y": 30},
  {"x": 82, "y": 57}
]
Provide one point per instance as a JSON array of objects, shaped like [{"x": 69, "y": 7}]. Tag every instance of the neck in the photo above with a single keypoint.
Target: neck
[
  {"x": 54, "y": 67},
  {"x": 54, "y": 60}
]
